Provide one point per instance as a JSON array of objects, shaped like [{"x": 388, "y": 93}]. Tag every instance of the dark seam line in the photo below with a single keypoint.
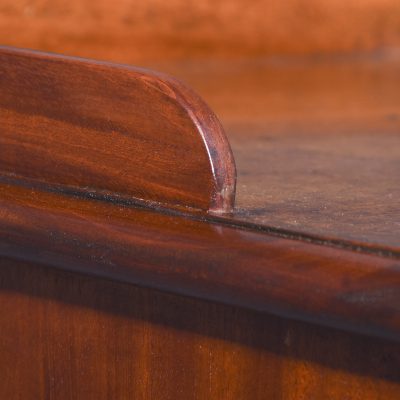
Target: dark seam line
[{"x": 199, "y": 215}]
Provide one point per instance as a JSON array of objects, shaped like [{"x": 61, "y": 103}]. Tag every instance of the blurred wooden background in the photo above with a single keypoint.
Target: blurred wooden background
[{"x": 131, "y": 31}]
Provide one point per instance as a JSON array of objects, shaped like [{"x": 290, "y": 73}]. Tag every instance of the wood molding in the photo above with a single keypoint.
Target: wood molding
[
  {"x": 101, "y": 129},
  {"x": 290, "y": 278}
]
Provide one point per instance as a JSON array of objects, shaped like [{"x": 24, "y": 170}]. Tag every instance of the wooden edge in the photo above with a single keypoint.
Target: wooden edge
[
  {"x": 114, "y": 130},
  {"x": 294, "y": 279}
]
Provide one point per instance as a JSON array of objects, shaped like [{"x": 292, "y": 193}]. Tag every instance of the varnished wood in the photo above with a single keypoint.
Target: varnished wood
[
  {"x": 313, "y": 237},
  {"x": 111, "y": 131},
  {"x": 329, "y": 174},
  {"x": 316, "y": 143},
  {"x": 67, "y": 336},
  {"x": 131, "y": 31},
  {"x": 334, "y": 287}
]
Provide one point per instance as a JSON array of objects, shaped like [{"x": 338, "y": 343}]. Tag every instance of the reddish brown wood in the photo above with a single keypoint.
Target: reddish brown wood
[
  {"x": 334, "y": 287},
  {"x": 316, "y": 144},
  {"x": 338, "y": 284},
  {"x": 67, "y": 336},
  {"x": 131, "y": 31},
  {"x": 111, "y": 130}
]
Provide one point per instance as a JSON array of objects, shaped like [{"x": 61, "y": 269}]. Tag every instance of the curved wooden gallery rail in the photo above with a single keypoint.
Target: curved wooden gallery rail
[
  {"x": 107, "y": 131},
  {"x": 111, "y": 130}
]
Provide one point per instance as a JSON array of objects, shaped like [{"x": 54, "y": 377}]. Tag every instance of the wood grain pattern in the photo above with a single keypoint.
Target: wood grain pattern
[
  {"x": 111, "y": 130},
  {"x": 67, "y": 336},
  {"x": 317, "y": 146},
  {"x": 133, "y": 32},
  {"x": 316, "y": 143},
  {"x": 300, "y": 280}
]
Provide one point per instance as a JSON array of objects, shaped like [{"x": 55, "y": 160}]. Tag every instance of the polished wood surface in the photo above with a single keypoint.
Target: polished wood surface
[
  {"x": 132, "y": 32},
  {"x": 316, "y": 143},
  {"x": 67, "y": 336},
  {"x": 111, "y": 131},
  {"x": 293, "y": 294},
  {"x": 292, "y": 278}
]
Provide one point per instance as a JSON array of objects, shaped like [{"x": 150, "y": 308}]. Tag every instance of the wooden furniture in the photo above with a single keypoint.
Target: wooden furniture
[{"x": 129, "y": 269}]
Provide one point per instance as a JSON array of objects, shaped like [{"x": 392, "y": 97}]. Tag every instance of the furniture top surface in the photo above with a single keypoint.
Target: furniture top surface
[
  {"x": 316, "y": 144},
  {"x": 192, "y": 257},
  {"x": 315, "y": 135},
  {"x": 309, "y": 139}
]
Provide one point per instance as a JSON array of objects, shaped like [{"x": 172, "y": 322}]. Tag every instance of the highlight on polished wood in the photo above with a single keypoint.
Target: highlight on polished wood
[
  {"x": 291, "y": 278},
  {"x": 126, "y": 268},
  {"x": 106, "y": 130}
]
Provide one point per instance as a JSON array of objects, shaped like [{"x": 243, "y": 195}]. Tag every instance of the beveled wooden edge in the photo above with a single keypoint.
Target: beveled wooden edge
[
  {"x": 328, "y": 286},
  {"x": 209, "y": 182}
]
